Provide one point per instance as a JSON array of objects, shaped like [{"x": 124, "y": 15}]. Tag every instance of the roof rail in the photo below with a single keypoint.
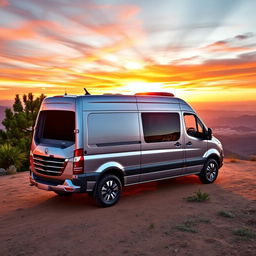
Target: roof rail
[{"x": 165, "y": 94}]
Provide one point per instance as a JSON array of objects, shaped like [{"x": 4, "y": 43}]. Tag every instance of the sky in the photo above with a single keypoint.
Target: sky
[{"x": 200, "y": 50}]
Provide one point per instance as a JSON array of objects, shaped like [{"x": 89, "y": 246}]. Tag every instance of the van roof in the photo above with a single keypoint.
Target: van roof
[
  {"x": 152, "y": 96},
  {"x": 98, "y": 101}
]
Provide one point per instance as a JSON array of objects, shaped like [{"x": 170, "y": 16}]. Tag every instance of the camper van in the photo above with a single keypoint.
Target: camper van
[{"x": 97, "y": 144}]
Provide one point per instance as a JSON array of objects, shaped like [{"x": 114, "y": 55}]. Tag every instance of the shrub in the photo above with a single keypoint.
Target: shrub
[
  {"x": 10, "y": 155},
  {"x": 199, "y": 196},
  {"x": 187, "y": 226},
  {"x": 244, "y": 233},
  {"x": 226, "y": 214}
]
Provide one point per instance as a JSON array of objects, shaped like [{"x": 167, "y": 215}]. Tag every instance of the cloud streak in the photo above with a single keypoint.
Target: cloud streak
[{"x": 107, "y": 47}]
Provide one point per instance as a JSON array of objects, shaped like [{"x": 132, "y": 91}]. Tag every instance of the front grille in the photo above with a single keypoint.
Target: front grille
[{"x": 48, "y": 165}]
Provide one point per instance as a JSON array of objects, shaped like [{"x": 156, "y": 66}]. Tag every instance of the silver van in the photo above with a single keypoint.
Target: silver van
[{"x": 97, "y": 144}]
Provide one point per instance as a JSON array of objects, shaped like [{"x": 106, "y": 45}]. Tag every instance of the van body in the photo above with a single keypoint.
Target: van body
[{"x": 97, "y": 144}]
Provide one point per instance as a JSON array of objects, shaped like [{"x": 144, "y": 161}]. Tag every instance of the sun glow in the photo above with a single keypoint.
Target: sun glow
[
  {"x": 119, "y": 48},
  {"x": 133, "y": 65}
]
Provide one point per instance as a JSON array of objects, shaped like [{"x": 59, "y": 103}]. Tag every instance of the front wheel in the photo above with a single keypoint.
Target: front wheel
[
  {"x": 108, "y": 191},
  {"x": 209, "y": 172}
]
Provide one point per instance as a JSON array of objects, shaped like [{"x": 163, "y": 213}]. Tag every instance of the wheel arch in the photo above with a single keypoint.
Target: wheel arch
[
  {"x": 213, "y": 154},
  {"x": 113, "y": 168},
  {"x": 215, "y": 157},
  {"x": 114, "y": 171}
]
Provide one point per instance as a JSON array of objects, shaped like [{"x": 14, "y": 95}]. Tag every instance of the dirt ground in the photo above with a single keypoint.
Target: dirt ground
[{"x": 150, "y": 219}]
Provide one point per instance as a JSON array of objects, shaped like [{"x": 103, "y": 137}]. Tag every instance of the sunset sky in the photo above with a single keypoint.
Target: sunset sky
[{"x": 201, "y": 50}]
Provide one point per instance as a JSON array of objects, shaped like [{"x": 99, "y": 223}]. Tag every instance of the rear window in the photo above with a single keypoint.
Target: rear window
[{"x": 56, "y": 125}]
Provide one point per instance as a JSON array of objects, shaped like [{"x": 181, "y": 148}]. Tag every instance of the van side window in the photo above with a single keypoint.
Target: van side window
[
  {"x": 194, "y": 127},
  {"x": 161, "y": 127},
  {"x": 113, "y": 129}
]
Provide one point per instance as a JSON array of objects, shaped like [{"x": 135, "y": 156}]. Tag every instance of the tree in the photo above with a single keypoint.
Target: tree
[{"x": 19, "y": 121}]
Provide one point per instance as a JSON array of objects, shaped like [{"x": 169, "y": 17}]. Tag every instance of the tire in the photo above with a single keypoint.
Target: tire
[
  {"x": 108, "y": 191},
  {"x": 209, "y": 172},
  {"x": 63, "y": 193}
]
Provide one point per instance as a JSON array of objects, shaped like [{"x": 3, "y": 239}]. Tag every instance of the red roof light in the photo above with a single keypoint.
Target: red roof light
[{"x": 165, "y": 94}]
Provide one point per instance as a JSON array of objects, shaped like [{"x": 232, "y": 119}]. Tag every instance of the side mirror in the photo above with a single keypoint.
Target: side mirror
[{"x": 209, "y": 134}]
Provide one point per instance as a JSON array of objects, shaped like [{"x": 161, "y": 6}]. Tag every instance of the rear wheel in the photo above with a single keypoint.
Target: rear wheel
[
  {"x": 209, "y": 172},
  {"x": 108, "y": 190}
]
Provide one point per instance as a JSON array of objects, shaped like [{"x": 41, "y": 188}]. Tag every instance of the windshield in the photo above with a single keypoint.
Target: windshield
[{"x": 55, "y": 125}]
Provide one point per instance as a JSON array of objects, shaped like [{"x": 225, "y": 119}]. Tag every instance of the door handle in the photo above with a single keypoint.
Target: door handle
[
  {"x": 189, "y": 143},
  {"x": 177, "y": 144}
]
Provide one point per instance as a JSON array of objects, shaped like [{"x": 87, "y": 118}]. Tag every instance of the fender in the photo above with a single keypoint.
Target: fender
[
  {"x": 211, "y": 151},
  {"x": 110, "y": 165}
]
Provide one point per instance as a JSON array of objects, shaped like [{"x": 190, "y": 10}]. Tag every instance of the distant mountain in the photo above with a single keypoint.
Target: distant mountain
[
  {"x": 243, "y": 120},
  {"x": 238, "y": 128},
  {"x": 240, "y": 146},
  {"x": 230, "y": 119},
  {"x": 230, "y": 154},
  {"x": 2, "y": 116},
  {"x": 7, "y": 103}
]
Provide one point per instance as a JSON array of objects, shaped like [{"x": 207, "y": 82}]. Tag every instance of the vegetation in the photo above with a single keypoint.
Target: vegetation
[
  {"x": 16, "y": 138},
  {"x": 10, "y": 155},
  {"x": 244, "y": 233},
  {"x": 204, "y": 220},
  {"x": 190, "y": 224},
  {"x": 187, "y": 226},
  {"x": 226, "y": 214},
  {"x": 199, "y": 196}
]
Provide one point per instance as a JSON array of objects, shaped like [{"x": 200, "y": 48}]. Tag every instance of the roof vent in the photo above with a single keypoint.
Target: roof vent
[{"x": 165, "y": 94}]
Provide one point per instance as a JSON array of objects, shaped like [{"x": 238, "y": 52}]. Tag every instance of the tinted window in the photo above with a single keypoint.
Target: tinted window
[
  {"x": 160, "y": 127},
  {"x": 56, "y": 125},
  {"x": 113, "y": 129},
  {"x": 194, "y": 127}
]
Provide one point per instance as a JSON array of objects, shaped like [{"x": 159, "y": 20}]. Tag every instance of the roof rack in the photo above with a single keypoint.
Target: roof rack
[{"x": 165, "y": 94}]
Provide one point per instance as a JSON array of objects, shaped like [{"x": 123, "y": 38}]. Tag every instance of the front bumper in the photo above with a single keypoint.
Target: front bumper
[{"x": 67, "y": 185}]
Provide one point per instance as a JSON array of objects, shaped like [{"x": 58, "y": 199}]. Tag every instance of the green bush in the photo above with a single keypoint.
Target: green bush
[
  {"x": 198, "y": 196},
  {"x": 10, "y": 155},
  {"x": 244, "y": 233}
]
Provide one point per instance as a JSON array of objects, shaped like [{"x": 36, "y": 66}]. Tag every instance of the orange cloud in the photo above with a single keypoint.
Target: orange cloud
[
  {"x": 26, "y": 30},
  {"x": 108, "y": 48},
  {"x": 222, "y": 46},
  {"x": 3, "y": 3},
  {"x": 230, "y": 45}
]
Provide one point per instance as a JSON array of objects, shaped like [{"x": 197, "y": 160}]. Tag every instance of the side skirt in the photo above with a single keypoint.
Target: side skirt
[{"x": 165, "y": 178}]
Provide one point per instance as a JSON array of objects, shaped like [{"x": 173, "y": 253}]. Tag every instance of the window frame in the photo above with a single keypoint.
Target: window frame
[
  {"x": 198, "y": 122},
  {"x": 110, "y": 143},
  {"x": 160, "y": 112},
  {"x": 40, "y": 128}
]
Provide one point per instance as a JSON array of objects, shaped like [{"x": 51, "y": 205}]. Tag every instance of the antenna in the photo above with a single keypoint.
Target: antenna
[
  {"x": 86, "y": 92},
  {"x": 65, "y": 91}
]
